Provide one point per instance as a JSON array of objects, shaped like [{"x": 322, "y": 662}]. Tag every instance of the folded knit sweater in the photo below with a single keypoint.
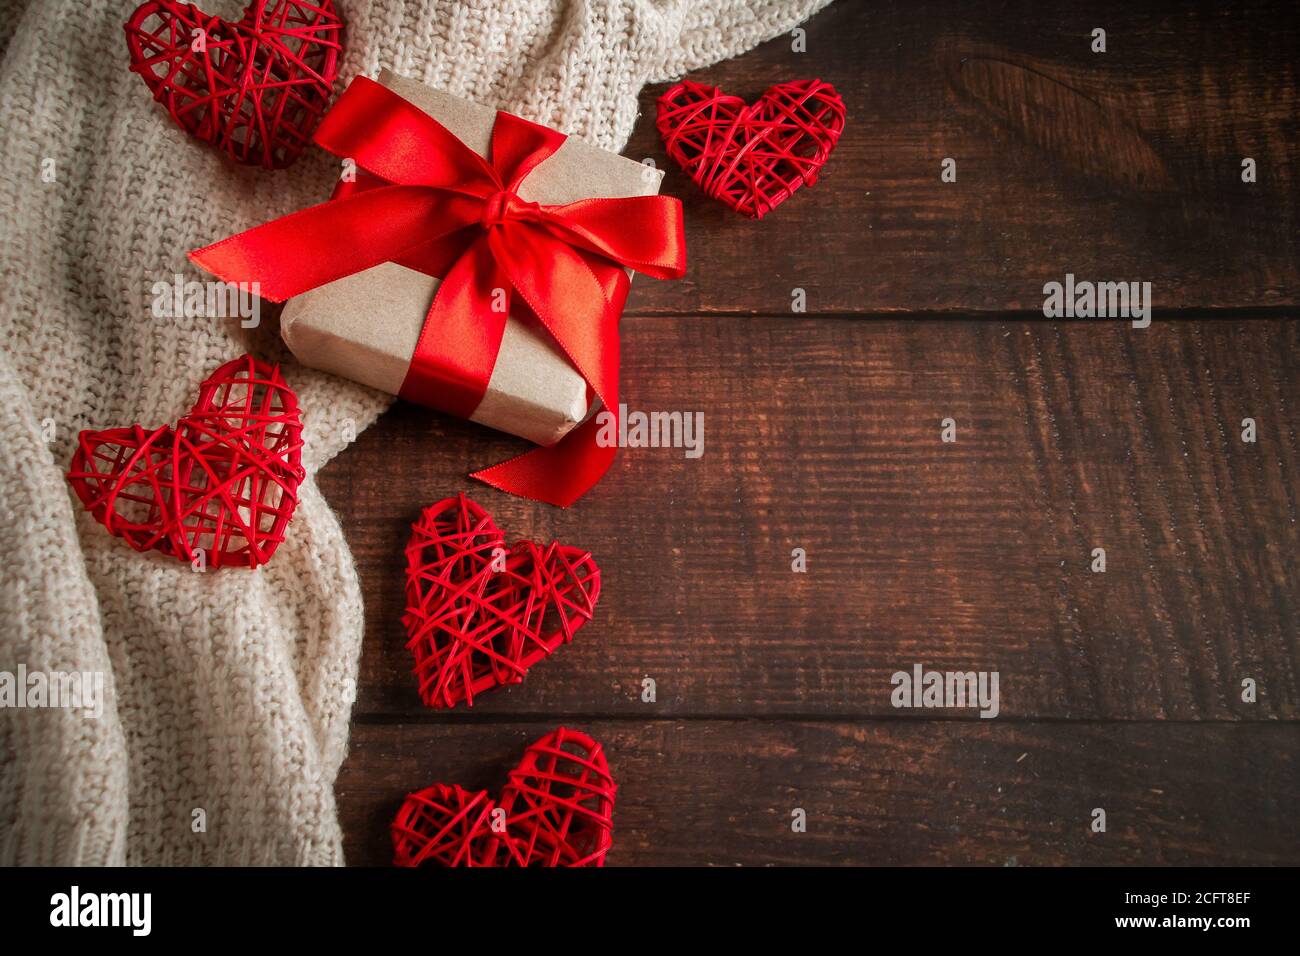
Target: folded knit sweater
[{"x": 226, "y": 692}]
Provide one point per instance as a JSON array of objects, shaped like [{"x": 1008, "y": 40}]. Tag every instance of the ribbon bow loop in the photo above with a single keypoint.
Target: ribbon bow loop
[
  {"x": 386, "y": 136},
  {"x": 419, "y": 191},
  {"x": 519, "y": 147}
]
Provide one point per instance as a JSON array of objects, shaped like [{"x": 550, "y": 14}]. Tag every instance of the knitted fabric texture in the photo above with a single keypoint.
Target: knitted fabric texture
[{"x": 227, "y": 694}]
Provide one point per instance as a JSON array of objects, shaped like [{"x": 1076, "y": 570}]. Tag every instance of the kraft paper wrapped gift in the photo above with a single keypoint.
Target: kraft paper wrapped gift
[{"x": 364, "y": 327}]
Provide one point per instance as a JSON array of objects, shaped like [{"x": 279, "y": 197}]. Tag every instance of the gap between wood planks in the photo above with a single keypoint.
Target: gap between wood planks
[
  {"x": 1178, "y": 314},
  {"x": 382, "y": 718}
]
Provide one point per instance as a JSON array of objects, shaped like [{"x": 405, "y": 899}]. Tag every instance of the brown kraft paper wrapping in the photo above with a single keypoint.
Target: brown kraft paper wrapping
[{"x": 364, "y": 327}]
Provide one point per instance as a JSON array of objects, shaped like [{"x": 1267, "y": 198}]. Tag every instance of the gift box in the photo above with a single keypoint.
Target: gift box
[
  {"x": 364, "y": 327},
  {"x": 475, "y": 262}
]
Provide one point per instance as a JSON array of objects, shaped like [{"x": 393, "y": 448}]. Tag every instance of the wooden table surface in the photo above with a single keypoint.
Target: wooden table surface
[{"x": 1120, "y": 690}]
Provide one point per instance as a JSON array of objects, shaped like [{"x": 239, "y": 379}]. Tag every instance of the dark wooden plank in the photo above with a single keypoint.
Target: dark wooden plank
[
  {"x": 893, "y": 792},
  {"x": 1117, "y": 166},
  {"x": 825, "y": 435}
]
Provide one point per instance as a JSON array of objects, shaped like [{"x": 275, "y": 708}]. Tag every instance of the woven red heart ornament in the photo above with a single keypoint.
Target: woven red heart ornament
[
  {"x": 751, "y": 157},
  {"x": 557, "y": 810},
  {"x": 256, "y": 88},
  {"x": 479, "y": 614},
  {"x": 219, "y": 487}
]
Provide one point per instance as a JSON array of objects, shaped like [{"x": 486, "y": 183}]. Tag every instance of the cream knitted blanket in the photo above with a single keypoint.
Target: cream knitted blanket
[{"x": 226, "y": 694}]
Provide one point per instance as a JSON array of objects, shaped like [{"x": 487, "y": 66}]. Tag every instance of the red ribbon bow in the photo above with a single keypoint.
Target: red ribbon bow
[{"x": 431, "y": 203}]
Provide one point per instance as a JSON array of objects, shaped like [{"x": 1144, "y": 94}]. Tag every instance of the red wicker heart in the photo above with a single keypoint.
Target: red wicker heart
[
  {"x": 752, "y": 158},
  {"x": 557, "y": 810},
  {"x": 444, "y": 825},
  {"x": 223, "y": 483},
  {"x": 479, "y": 615},
  {"x": 256, "y": 88}
]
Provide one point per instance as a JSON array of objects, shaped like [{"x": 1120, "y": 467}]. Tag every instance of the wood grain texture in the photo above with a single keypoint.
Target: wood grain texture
[
  {"x": 721, "y": 792},
  {"x": 1122, "y": 165},
  {"x": 825, "y": 435},
  {"x": 822, "y": 431}
]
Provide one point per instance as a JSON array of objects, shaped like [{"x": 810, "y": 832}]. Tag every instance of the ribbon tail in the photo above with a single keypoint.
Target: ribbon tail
[
  {"x": 561, "y": 473},
  {"x": 581, "y": 315}
]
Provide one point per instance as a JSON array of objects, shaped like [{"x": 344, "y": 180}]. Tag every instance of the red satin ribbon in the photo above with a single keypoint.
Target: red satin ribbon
[{"x": 431, "y": 203}]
